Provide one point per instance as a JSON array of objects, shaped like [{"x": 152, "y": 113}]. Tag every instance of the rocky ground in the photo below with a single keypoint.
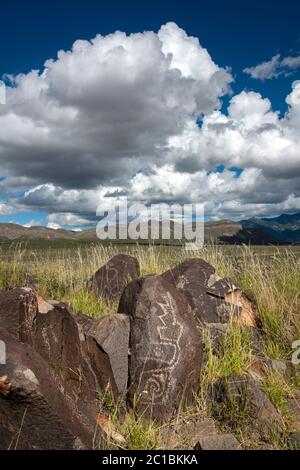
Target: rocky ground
[{"x": 180, "y": 364}]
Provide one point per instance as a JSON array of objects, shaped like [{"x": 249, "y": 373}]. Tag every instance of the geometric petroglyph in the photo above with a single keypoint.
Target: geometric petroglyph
[
  {"x": 2, "y": 353},
  {"x": 163, "y": 354}
]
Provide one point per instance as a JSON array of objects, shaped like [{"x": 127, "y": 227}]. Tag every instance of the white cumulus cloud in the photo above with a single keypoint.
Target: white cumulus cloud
[
  {"x": 106, "y": 107},
  {"x": 119, "y": 116},
  {"x": 274, "y": 68}
]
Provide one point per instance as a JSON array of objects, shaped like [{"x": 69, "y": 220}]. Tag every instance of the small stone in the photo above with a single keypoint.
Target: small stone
[
  {"x": 284, "y": 368},
  {"x": 185, "y": 435},
  {"x": 294, "y": 440},
  {"x": 218, "y": 442},
  {"x": 294, "y": 414}
]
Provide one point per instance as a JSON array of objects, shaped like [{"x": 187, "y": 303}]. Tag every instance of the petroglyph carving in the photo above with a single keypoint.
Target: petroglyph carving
[
  {"x": 110, "y": 280},
  {"x": 213, "y": 299},
  {"x": 166, "y": 349},
  {"x": 182, "y": 281},
  {"x": 2, "y": 353},
  {"x": 164, "y": 354}
]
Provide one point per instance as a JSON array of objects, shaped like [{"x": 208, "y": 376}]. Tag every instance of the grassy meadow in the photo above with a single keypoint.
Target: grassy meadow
[{"x": 269, "y": 275}]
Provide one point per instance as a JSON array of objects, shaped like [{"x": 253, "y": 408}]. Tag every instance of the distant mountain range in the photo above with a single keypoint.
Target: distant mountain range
[
  {"x": 281, "y": 230},
  {"x": 284, "y": 229}
]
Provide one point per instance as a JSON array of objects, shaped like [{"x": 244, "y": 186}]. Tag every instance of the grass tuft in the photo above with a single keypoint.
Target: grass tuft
[
  {"x": 233, "y": 356},
  {"x": 278, "y": 390},
  {"x": 82, "y": 301}
]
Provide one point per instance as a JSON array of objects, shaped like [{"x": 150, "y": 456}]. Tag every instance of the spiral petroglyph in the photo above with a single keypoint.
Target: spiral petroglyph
[{"x": 155, "y": 388}]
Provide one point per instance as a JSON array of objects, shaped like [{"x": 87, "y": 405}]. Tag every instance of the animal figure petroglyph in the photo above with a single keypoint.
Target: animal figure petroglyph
[{"x": 182, "y": 282}]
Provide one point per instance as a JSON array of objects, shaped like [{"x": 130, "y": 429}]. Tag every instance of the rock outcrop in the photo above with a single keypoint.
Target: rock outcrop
[
  {"x": 61, "y": 372},
  {"x": 50, "y": 378},
  {"x": 18, "y": 310},
  {"x": 211, "y": 298},
  {"x": 56, "y": 337},
  {"x": 34, "y": 411},
  {"x": 243, "y": 398},
  {"x": 165, "y": 348},
  {"x": 111, "y": 279},
  {"x": 107, "y": 341}
]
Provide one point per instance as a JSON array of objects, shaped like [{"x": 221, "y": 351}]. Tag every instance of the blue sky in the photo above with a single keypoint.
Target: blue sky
[{"x": 236, "y": 34}]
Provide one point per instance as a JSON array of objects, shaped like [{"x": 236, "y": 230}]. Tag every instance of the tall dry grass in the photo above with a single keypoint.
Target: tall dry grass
[{"x": 271, "y": 278}]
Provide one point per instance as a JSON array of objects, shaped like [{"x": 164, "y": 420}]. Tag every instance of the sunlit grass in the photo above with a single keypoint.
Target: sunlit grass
[
  {"x": 233, "y": 356},
  {"x": 270, "y": 277},
  {"x": 278, "y": 390},
  {"x": 272, "y": 280}
]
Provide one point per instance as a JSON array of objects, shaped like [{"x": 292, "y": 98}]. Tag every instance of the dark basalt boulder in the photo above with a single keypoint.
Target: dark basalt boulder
[
  {"x": 34, "y": 411},
  {"x": 165, "y": 348},
  {"x": 57, "y": 338},
  {"x": 218, "y": 442},
  {"x": 18, "y": 310},
  {"x": 211, "y": 298},
  {"x": 111, "y": 279},
  {"x": 107, "y": 342},
  {"x": 242, "y": 398},
  {"x": 52, "y": 331}
]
